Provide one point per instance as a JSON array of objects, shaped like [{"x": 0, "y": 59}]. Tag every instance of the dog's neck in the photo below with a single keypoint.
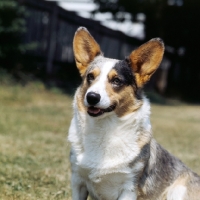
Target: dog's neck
[{"x": 109, "y": 144}]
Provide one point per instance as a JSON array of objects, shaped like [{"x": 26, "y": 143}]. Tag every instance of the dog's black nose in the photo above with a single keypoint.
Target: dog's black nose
[{"x": 93, "y": 98}]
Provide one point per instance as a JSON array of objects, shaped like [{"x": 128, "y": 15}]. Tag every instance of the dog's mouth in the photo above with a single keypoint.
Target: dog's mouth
[{"x": 95, "y": 112}]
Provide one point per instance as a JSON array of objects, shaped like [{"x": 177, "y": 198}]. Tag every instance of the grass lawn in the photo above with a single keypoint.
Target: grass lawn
[{"x": 33, "y": 148}]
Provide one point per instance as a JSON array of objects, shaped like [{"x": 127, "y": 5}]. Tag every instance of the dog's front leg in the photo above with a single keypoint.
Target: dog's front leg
[
  {"x": 79, "y": 193},
  {"x": 79, "y": 190},
  {"x": 128, "y": 195}
]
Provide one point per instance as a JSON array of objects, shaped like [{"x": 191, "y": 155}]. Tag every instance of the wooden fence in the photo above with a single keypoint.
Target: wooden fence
[{"x": 52, "y": 29}]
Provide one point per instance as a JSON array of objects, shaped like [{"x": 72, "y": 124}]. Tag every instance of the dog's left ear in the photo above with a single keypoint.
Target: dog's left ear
[
  {"x": 146, "y": 59},
  {"x": 85, "y": 49}
]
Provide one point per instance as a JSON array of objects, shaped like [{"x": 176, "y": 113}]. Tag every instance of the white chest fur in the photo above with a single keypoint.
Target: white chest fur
[
  {"x": 111, "y": 186},
  {"x": 104, "y": 147}
]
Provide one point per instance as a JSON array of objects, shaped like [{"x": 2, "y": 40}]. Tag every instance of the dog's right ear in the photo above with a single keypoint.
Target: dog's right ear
[{"x": 85, "y": 49}]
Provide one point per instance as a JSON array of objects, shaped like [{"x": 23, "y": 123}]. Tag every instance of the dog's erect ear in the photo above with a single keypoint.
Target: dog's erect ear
[
  {"x": 85, "y": 49},
  {"x": 146, "y": 59}
]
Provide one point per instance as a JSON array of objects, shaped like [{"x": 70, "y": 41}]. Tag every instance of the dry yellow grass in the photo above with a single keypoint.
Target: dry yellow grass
[
  {"x": 177, "y": 128},
  {"x": 34, "y": 152}
]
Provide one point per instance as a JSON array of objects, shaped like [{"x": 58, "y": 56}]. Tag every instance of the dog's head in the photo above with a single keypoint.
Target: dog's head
[{"x": 109, "y": 85}]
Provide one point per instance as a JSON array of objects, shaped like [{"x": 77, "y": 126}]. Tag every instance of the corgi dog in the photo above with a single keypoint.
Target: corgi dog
[{"x": 113, "y": 153}]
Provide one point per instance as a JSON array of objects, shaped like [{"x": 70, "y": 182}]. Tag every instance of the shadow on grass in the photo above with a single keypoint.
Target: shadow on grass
[{"x": 156, "y": 98}]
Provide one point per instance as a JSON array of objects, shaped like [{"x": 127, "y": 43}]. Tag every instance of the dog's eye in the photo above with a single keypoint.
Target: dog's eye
[
  {"x": 90, "y": 78},
  {"x": 116, "y": 81}
]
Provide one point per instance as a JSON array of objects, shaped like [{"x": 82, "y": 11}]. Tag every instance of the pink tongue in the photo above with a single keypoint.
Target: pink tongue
[{"x": 94, "y": 110}]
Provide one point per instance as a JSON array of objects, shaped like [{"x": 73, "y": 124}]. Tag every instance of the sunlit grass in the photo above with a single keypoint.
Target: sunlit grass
[
  {"x": 177, "y": 128},
  {"x": 34, "y": 152}
]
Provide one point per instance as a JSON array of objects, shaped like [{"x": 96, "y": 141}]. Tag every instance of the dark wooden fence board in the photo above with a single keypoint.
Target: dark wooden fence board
[{"x": 52, "y": 29}]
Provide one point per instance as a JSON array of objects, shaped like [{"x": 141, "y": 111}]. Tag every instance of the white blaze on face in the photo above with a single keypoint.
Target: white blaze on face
[{"x": 100, "y": 85}]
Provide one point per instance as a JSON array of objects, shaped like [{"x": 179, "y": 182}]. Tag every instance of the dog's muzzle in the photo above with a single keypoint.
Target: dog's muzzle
[{"x": 93, "y": 99}]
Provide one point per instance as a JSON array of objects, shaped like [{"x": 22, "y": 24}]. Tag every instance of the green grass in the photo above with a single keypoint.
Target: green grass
[
  {"x": 34, "y": 152},
  {"x": 177, "y": 128}
]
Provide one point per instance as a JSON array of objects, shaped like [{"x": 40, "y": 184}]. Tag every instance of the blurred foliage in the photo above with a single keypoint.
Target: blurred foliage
[
  {"x": 12, "y": 28},
  {"x": 5, "y": 78},
  {"x": 173, "y": 20}
]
